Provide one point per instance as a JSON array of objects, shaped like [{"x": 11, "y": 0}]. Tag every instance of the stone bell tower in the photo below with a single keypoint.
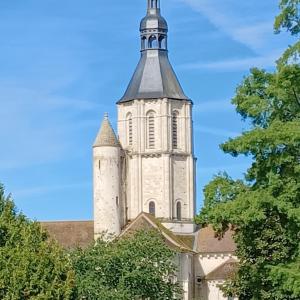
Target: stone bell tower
[{"x": 156, "y": 131}]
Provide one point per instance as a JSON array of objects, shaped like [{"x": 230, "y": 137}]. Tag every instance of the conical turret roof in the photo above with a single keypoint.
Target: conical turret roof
[{"x": 106, "y": 135}]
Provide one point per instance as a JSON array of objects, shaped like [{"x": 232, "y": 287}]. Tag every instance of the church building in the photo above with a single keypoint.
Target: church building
[{"x": 145, "y": 175}]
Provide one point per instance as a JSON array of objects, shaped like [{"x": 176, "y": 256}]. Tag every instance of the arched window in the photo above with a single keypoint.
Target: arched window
[
  {"x": 162, "y": 41},
  {"x": 152, "y": 208},
  {"x": 144, "y": 43},
  {"x": 151, "y": 130},
  {"x": 153, "y": 42},
  {"x": 153, "y": 3},
  {"x": 175, "y": 130},
  {"x": 178, "y": 211},
  {"x": 129, "y": 129}
]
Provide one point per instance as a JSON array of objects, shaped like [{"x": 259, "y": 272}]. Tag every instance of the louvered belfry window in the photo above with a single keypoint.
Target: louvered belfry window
[
  {"x": 151, "y": 130},
  {"x": 175, "y": 130},
  {"x": 129, "y": 129}
]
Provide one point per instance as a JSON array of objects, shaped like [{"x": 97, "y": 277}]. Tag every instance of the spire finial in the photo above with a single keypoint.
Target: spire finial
[
  {"x": 153, "y": 5},
  {"x": 106, "y": 116}
]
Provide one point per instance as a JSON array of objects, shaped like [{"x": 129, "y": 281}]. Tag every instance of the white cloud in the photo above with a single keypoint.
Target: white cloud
[{"x": 250, "y": 25}]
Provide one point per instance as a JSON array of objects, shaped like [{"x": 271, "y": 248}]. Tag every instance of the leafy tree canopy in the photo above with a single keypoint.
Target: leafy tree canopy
[
  {"x": 31, "y": 266},
  {"x": 289, "y": 19},
  {"x": 139, "y": 266},
  {"x": 264, "y": 208}
]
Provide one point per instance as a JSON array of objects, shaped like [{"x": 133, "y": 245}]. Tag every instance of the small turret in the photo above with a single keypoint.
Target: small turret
[{"x": 107, "y": 183}]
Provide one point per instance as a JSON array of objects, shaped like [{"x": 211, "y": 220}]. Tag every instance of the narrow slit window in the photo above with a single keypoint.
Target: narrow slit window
[
  {"x": 175, "y": 130},
  {"x": 152, "y": 208},
  {"x": 178, "y": 211}
]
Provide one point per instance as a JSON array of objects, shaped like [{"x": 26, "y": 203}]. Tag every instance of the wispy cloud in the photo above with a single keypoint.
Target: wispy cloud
[
  {"x": 37, "y": 127},
  {"x": 242, "y": 64},
  {"x": 40, "y": 190},
  {"x": 250, "y": 24},
  {"x": 216, "y": 131},
  {"x": 213, "y": 106},
  {"x": 243, "y": 23}
]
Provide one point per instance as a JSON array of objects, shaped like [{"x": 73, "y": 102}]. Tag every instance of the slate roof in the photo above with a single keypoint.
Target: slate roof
[
  {"x": 207, "y": 242},
  {"x": 224, "y": 271},
  {"x": 71, "y": 234},
  {"x": 154, "y": 78}
]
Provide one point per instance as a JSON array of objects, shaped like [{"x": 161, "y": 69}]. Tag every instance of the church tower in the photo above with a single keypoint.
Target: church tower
[
  {"x": 156, "y": 132},
  {"x": 107, "y": 181}
]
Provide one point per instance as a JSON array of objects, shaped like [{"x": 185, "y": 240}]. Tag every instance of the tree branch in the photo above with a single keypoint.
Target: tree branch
[{"x": 296, "y": 96}]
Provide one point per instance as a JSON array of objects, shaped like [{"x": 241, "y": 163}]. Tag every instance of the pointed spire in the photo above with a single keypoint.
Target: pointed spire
[
  {"x": 153, "y": 7},
  {"x": 106, "y": 135},
  {"x": 154, "y": 76}
]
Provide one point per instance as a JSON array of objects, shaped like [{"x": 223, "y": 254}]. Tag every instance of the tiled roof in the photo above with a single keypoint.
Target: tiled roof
[
  {"x": 224, "y": 271},
  {"x": 71, "y": 234},
  {"x": 146, "y": 221},
  {"x": 207, "y": 242}
]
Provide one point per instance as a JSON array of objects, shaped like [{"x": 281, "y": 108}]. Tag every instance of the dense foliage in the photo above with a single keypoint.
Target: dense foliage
[
  {"x": 31, "y": 266},
  {"x": 264, "y": 208},
  {"x": 289, "y": 19},
  {"x": 139, "y": 266}
]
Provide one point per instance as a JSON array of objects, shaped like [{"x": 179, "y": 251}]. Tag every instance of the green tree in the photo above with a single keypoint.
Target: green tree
[
  {"x": 264, "y": 208},
  {"x": 289, "y": 19},
  {"x": 136, "y": 266},
  {"x": 31, "y": 265}
]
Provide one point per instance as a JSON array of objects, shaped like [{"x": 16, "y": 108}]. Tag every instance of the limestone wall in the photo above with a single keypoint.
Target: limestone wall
[
  {"x": 162, "y": 173},
  {"x": 106, "y": 168}
]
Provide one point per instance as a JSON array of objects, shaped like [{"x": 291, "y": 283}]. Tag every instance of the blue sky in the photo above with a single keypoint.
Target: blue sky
[{"x": 65, "y": 63}]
